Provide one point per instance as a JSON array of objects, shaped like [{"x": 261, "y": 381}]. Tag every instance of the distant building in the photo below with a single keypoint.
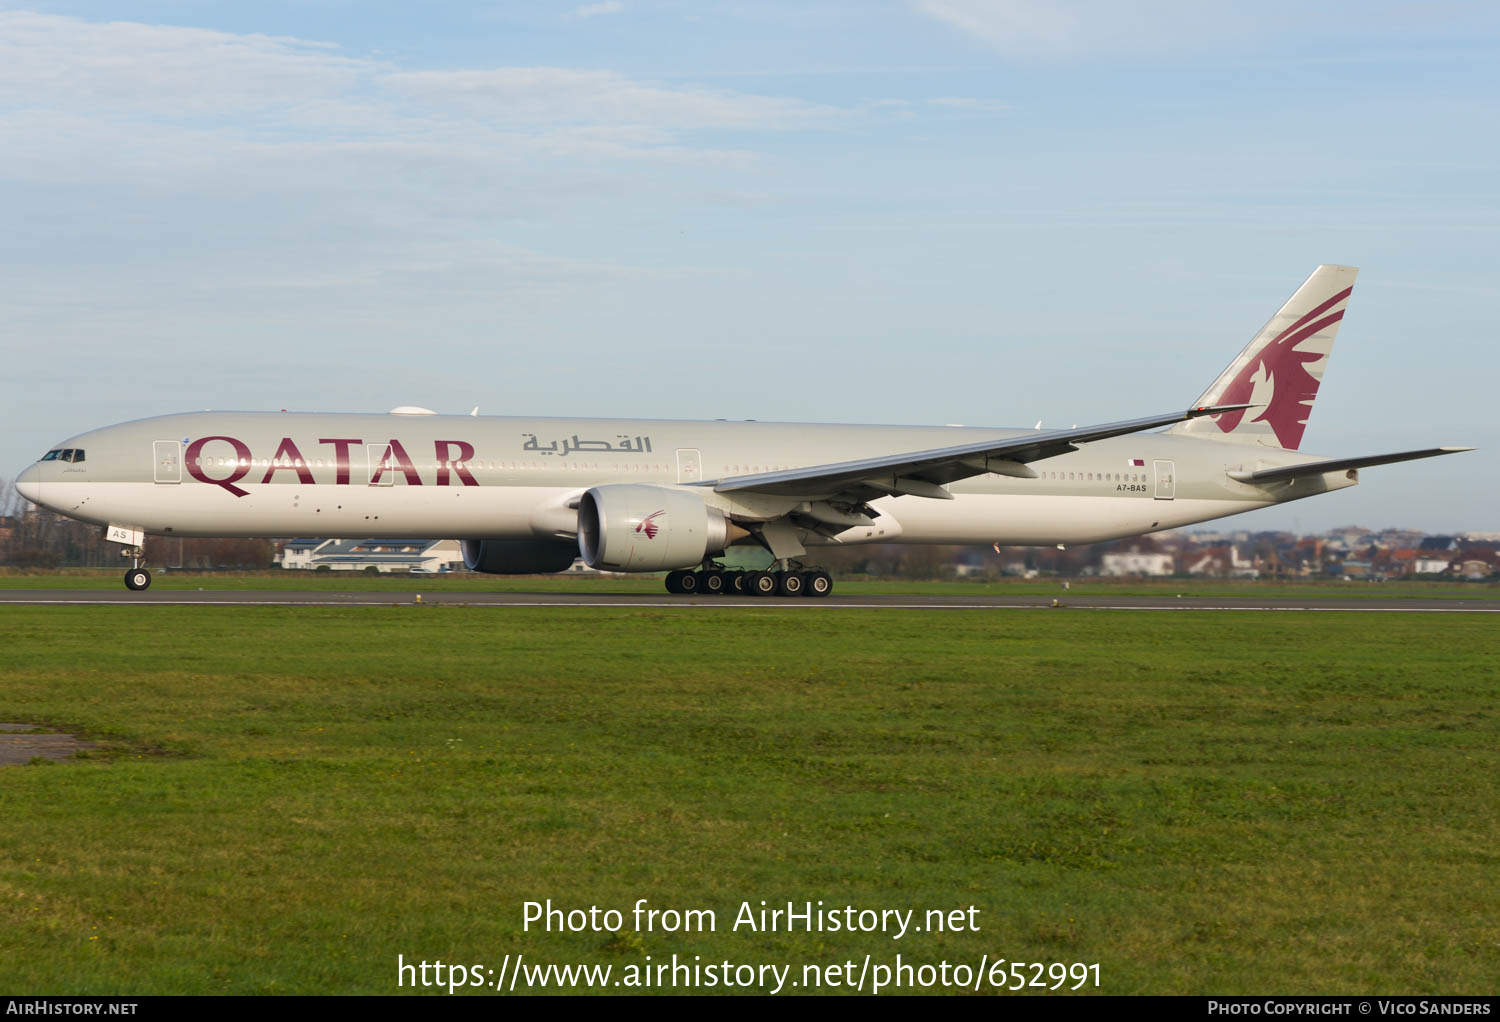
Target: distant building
[
  {"x": 1426, "y": 563},
  {"x": 1476, "y": 561},
  {"x": 1136, "y": 561},
  {"x": 1476, "y": 568},
  {"x": 1221, "y": 562},
  {"x": 424, "y": 556}
]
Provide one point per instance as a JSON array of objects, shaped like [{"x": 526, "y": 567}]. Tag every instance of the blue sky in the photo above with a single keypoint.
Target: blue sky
[{"x": 978, "y": 211}]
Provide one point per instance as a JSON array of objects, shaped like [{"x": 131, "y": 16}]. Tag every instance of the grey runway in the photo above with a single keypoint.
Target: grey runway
[{"x": 639, "y": 601}]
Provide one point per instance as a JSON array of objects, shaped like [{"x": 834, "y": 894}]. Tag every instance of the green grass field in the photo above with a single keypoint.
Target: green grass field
[{"x": 290, "y": 797}]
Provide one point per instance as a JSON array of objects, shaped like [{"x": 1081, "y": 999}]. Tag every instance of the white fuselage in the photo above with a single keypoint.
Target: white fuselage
[{"x": 430, "y": 476}]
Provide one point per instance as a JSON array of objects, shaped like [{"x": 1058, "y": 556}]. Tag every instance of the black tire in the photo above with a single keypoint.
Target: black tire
[
  {"x": 817, "y": 583},
  {"x": 689, "y": 583},
  {"x": 760, "y": 583},
  {"x": 790, "y": 583},
  {"x": 674, "y": 578},
  {"x": 713, "y": 582},
  {"x": 137, "y": 579},
  {"x": 734, "y": 583}
]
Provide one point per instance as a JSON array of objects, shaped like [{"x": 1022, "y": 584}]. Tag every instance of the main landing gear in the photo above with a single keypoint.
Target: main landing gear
[
  {"x": 137, "y": 578},
  {"x": 788, "y": 580}
]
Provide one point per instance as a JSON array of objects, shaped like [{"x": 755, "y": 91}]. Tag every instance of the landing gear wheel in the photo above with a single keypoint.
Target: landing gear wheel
[
  {"x": 817, "y": 583},
  {"x": 137, "y": 579},
  {"x": 712, "y": 582},
  {"x": 734, "y": 583},
  {"x": 690, "y": 583},
  {"x": 760, "y": 583},
  {"x": 789, "y": 583},
  {"x": 674, "y": 581}
]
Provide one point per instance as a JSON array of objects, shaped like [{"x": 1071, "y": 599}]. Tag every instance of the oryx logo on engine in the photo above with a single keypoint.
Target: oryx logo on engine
[{"x": 649, "y": 525}]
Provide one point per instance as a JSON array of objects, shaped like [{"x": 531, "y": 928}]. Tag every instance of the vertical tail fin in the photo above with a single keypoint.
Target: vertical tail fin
[{"x": 1279, "y": 371}]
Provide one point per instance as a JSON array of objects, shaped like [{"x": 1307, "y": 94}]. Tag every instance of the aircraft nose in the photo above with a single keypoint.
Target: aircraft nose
[{"x": 29, "y": 484}]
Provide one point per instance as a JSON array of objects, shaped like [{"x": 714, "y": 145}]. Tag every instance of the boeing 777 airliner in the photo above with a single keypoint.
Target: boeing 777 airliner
[{"x": 529, "y": 495}]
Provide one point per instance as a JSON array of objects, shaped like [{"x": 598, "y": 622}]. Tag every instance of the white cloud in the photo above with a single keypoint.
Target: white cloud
[
  {"x": 1041, "y": 27},
  {"x": 554, "y": 95},
  {"x": 1007, "y": 22},
  {"x": 593, "y": 10},
  {"x": 75, "y": 80},
  {"x": 60, "y": 62},
  {"x": 968, "y": 103},
  {"x": 148, "y": 166}
]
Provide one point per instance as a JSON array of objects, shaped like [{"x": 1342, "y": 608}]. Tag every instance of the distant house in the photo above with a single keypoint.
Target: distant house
[
  {"x": 1222, "y": 562},
  {"x": 1349, "y": 537},
  {"x": 426, "y": 556},
  {"x": 298, "y": 553},
  {"x": 1136, "y": 561},
  {"x": 1427, "y": 563},
  {"x": 1475, "y": 565}
]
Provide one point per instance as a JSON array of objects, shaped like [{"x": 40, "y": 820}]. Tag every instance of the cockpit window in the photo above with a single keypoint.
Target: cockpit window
[
  {"x": 51, "y": 455},
  {"x": 78, "y": 455},
  {"x": 72, "y": 454}
]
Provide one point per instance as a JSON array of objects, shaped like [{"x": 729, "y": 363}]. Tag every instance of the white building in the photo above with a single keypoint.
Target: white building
[
  {"x": 1136, "y": 562},
  {"x": 1222, "y": 562},
  {"x": 423, "y": 556}
]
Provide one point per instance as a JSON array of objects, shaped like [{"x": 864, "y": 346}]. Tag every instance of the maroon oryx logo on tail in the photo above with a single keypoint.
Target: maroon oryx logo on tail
[
  {"x": 649, "y": 525},
  {"x": 1293, "y": 387}
]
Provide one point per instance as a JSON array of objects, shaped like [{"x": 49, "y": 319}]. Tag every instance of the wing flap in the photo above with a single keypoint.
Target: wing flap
[{"x": 1317, "y": 468}]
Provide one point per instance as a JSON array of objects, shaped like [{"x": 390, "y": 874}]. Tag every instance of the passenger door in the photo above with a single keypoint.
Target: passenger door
[
  {"x": 382, "y": 467},
  {"x": 1166, "y": 480},
  {"x": 167, "y": 456}
]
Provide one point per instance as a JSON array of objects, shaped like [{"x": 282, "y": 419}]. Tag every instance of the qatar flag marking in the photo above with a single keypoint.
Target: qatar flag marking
[{"x": 1136, "y": 463}]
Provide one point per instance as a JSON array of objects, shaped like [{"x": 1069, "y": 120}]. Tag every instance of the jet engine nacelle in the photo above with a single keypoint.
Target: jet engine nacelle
[
  {"x": 633, "y": 527},
  {"x": 518, "y": 556}
]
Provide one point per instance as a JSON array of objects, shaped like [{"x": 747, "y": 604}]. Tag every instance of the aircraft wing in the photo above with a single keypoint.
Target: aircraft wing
[
  {"x": 1317, "y": 468},
  {"x": 927, "y": 473}
]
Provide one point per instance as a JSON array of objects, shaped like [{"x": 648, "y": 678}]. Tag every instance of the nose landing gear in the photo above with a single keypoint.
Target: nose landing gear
[{"x": 137, "y": 578}]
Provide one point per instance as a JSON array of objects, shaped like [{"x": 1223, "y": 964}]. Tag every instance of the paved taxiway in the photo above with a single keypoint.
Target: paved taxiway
[{"x": 630, "y": 601}]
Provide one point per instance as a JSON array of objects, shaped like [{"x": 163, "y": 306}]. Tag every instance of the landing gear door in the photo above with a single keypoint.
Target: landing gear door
[
  {"x": 689, "y": 466},
  {"x": 382, "y": 470},
  {"x": 167, "y": 455},
  {"x": 1166, "y": 480}
]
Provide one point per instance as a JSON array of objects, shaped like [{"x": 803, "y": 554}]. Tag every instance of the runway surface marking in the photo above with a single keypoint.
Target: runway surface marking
[{"x": 620, "y": 601}]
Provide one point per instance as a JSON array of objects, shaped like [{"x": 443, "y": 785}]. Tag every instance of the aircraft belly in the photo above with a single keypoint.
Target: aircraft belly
[
  {"x": 510, "y": 512},
  {"x": 1042, "y": 519}
]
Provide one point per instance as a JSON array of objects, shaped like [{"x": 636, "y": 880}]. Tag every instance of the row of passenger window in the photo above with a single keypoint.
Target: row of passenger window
[
  {"x": 1102, "y": 477},
  {"x": 72, "y": 454}
]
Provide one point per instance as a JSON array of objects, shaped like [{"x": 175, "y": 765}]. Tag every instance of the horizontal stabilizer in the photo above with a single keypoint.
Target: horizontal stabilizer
[{"x": 1317, "y": 468}]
